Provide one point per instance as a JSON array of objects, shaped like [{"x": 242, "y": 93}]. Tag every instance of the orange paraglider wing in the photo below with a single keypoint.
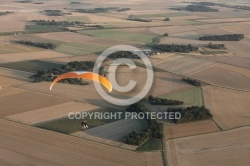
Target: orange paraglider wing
[{"x": 84, "y": 75}]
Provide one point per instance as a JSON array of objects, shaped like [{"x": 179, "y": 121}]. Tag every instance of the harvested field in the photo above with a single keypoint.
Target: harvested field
[
  {"x": 241, "y": 28},
  {"x": 85, "y": 93},
  {"x": 8, "y": 91},
  {"x": 30, "y": 66},
  {"x": 7, "y": 81},
  {"x": 211, "y": 149},
  {"x": 115, "y": 131},
  {"x": 78, "y": 18},
  {"x": 9, "y": 48},
  {"x": 51, "y": 113},
  {"x": 65, "y": 37},
  {"x": 229, "y": 107},
  {"x": 225, "y": 76},
  {"x": 20, "y": 159},
  {"x": 240, "y": 48},
  {"x": 65, "y": 60},
  {"x": 166, "y": 83},
  {"x": 12, "y": 26},
  {"x": 21, "y": 102},
  {"x": 185, "y": 65},
  {"x": 234, "y": 61},
  {"x": 21, "y": 75},
  {"x": 67, "y": 150},
  {"x": 189, "y": 129},
  {"x": 15, "y": 57},
  {"x": 110, "y": 42}
]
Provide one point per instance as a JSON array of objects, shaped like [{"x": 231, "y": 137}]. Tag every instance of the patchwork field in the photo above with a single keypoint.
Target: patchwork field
[
  {"x": 229, "y": 107},
  {"x": 21, "y": 75},
  {"x": 211, "y": 149},
  {"x": 7, "y": 81},
  {"x": 51, "y": 113},
  {"x": 52, "y": 146},
  {"x": 21, "y": 102},
  {"x": 12, "y": 26},
  {"x": 189, "y": 129}
]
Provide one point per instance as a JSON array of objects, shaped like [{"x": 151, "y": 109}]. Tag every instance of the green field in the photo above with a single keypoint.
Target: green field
[
  {"x": 30, "y": 66},
  {"x": 190, "y": 97},
  {"x": 119, "y": 35},
  {"x": 213, "y": 52},
  {"x": 68, "y": 126},
  {"x": 79, "y": 48},
  {"x": 43, "y": 28},
  {"x": 150, "y": 145},
  {"x": 174, "y": 14},
  {"x": 78, "y": 18}
]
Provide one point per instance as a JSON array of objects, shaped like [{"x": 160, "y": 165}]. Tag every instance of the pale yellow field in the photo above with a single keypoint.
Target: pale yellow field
[
  {"x": 8, "y": 91},
  {"x": 64, "y": 60},
  {"x": 65, "y": 36},
  {"x": 189, "y": 129},
  {"x": 7, "y": 81},
  {"x": 52, "y": 112},
  {"x": 8, "y": 48},
  {"x": 12, "y": 26},
  {"x": 52, "y": 146},
  {"x": 230, "y": 108},
  {"x": 225, "y": 76},
  {"x": 15, "y": 57},
  {"x": 27, "y": 101},
  {"x": 230, "y": 147}
]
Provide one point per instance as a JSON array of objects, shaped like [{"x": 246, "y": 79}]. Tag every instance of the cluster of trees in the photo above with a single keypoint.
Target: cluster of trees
[
  {"x": 226, "y": 37},
  {"x": 191, "y": 114},
  {"x": 50, "y": 75},
  {"x": 58, "y": 23},
  {"x": 175, "y": 48},
  {"x": 24, "y": 1},
  {"x": 5, "y": 13},
  {"x": 123, "y": 54},
  {"x": 55, "y": 13},
  {"x": 160, "y": 101},
  {"x": 93, "y": 10},
  {"x": 37, "y": 44},
  {"x": 123, "y": 9},
  {"x": 200, "y": 8},
  {"x": 166, "y": 19},
  {"x": 154, "y": 130},
  {"x": 216, "y": 46},
  {"x": 133, "y": 18},
  {"x": 75, "y": 2},
  {"x": 192, "y": 81},
  {"x": 38, "y": 3},
  {"x": 196, "y": 8}
]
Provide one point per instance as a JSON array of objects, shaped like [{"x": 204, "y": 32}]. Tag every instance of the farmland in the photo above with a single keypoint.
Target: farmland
[
  {"x": 34, "y": 125},
  {"x": 210, "y": 148},
  {"x": 229, "y": 107}
]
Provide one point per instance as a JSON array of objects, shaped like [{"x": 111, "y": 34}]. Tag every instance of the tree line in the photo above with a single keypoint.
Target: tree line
[
  {"x": 37, "y": 44},
  {"x": 58, "y": 23},
  {"x": 175, "y": 48},
  {"x": 154, "y": 130},
  {"x": 50, "y": 75},
  {"x": 196, "y": 8},
  {"x": 192, "y": 81},
  {"x": 191, "y": 114},
  {"x": 55, "y": 13},
  {"x": 161, "y": 101},
  {"x": 133, "y": 18},
  {"x": 5, "y": 13},
  {"x": 226, "y": 37}
]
